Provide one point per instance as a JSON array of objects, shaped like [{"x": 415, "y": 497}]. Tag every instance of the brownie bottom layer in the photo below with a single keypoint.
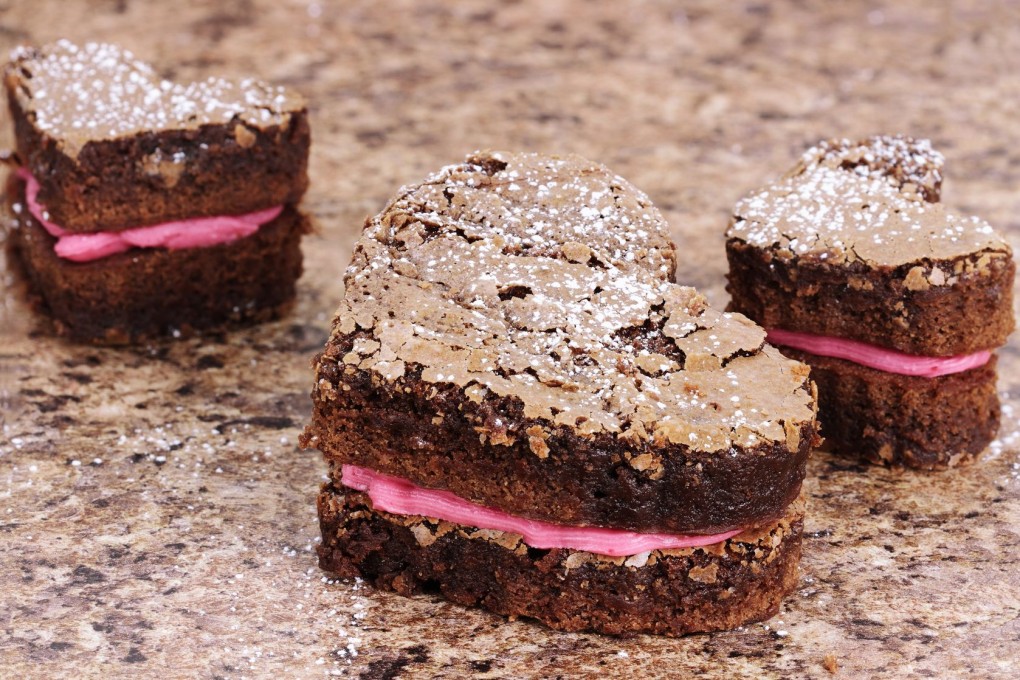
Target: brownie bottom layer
[
  {"x": 904, "y": 421},
  {"x": 669, "y": 592},
  {"x": 143, "y": 293}
]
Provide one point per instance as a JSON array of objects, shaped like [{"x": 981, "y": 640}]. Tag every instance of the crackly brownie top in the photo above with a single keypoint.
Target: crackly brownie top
[
  {"x": 874, "y": 202},
  {"x": 101, "y": 92},
  {"x": 546, "y": 279}
]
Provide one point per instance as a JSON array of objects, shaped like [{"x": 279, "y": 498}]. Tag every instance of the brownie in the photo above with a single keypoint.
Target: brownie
[
  {"x": 509, "y": 333},
  {"x": 146, "y": 293},
  {"x": 668, "y": 592},
  {"x": 854, "y": 243},
  {"x": 115, "y": 146}
]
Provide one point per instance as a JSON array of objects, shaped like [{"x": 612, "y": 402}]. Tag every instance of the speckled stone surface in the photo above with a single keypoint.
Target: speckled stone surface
[{"x": 155, "y": 514}]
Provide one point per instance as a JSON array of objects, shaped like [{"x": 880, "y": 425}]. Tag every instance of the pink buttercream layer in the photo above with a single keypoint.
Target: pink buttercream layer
[
  {"x": 198, "y": 232},
  {"x": 879, "y": 358},
  {"x": 401, "y": 497}
]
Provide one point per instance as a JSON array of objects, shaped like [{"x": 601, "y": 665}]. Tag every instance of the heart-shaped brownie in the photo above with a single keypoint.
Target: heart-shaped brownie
[
  {"x": 509, "y": 333},
  {"x": 143, "y": 208}
]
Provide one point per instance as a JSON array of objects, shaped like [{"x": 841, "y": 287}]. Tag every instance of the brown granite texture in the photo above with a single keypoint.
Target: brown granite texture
[{"x": 188, "y": 550}]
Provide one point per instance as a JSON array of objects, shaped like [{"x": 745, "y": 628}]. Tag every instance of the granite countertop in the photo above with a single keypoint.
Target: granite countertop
[{"x": 156, "y": 514}]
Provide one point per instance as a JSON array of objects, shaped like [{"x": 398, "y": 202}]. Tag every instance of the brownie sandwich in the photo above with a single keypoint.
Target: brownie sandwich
[
  {"x": 855, "y": 267},
  {"x": 520, "y": 411},
  {"x": 143, "y": 207}
]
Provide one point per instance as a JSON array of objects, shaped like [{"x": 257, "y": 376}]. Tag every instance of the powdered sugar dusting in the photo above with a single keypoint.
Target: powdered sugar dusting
[
  {"x": 101, "y": 91},
  {"x": 911, "y": 165},
  {"x": 873, "y": 202}
]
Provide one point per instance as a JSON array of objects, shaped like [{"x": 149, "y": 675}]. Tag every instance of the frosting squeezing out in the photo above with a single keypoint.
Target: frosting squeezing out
[
  {"x": 879, "y": 358},
  {"x": 399, "y": 496}
]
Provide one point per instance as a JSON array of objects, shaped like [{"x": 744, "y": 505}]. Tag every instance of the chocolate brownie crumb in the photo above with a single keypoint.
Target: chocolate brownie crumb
[{"x": 830, "y": 663}]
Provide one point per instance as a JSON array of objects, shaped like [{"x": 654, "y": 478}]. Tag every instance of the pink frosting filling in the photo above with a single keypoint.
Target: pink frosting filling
[
  {"x": 401, "y": 497},
  {"x": 879, "y": 358},
  {"x": 199, "y": 232}
]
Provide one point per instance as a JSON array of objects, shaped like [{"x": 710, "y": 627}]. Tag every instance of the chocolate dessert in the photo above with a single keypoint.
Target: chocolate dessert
[
  {"x": 515, "y": 391},
  {"x": 855, "y": 267},
  {"x": 143, "y": 207}
]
